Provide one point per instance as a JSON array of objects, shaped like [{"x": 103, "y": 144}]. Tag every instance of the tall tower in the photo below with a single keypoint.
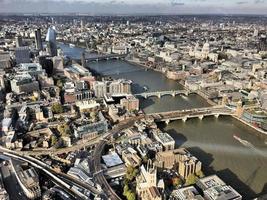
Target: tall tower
[
  {"x": 51, "y": 41},
  {"x": 18, "y": 41},
  {"x": 38, "y": 39},
  {"x": 83, "y": 62}
]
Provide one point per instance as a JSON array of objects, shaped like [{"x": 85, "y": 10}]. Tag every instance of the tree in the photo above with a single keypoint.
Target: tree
[
  {"x": 59, "y": 83},
  {"x": 57, "y": 108},
  {"x": 64, "y": 129},
  {"x": 53, "y": 140},
  {"x": 131, "y": 173},
  {"x": 129, "y": 194},
  {"x": 200, "y": 174},
  {"x": 176, "y": 182},
  {"x": 191, "y": 179}
]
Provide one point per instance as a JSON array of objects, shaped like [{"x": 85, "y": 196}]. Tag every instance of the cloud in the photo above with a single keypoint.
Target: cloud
[
  {"x": 259, "y": 1},
  {"x": 241, "y": 2}
]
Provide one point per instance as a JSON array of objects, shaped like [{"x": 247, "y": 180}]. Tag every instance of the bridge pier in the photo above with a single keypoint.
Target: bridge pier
[
  {"x": 217, "y": 116},
  {"x": 167, "y": 121},
  {"x": 184, "y": 119},
  {"x": 173, "y": 94},
  {"x": 201, "y": 117},
  {"x": 159, "y": 95},
  {"x": 96, "y": 60}
]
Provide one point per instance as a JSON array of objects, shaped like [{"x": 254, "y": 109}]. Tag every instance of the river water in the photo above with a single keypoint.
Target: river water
[{"x": 210, "y": 139}]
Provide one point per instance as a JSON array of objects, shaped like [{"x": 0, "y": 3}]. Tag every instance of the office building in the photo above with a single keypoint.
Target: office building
[
  {"x": 187, "y": 193},
  {"x": 29, "y": 181},
  {"x": 179, "y": 159},
  {"x": 38, "y": 39},
  {"x": 215, "y": 189},
  {"x": 22, "y": 55},
  {"x": 113, "y": 88},
  {"x": 263, "y": 43},
  {"x": 51, "y": 41},
  {"x": 130, "y": 103},
  {"x": 18, "y": 41},
  {"x": 164, "y": 139},
  {"x": 91, "y": 129},
  {"x": 24, "y": 83}
]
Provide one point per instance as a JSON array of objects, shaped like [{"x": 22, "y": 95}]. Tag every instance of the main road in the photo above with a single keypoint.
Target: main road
[{"x": 98, "y": 173}]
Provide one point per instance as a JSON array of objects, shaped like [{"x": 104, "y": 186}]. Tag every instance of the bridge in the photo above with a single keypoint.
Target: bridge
[
  {"x": 160, "y": 94},
  {"x": 105, "y": 57},
  {"x": 200, "y": 113}
]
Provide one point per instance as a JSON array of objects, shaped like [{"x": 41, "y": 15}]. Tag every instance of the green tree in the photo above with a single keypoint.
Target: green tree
[
  {"x": 200, "y": 174},
  {"x": 131, "y": 173},
  {"x": 176, "y": 182},
  {"x": 191, "y": 179},
  {"x": 64, "y": 129},
  {"x": 59, "y": 83},
  {"x": 57, "y": 108},
  {"x": 53, "y": 140},
  {"x": 130, "y": 196}
]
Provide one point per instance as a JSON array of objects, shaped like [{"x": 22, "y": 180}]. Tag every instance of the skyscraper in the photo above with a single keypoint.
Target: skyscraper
[
  {"x": 18, "y": 41},
  {"x": 51, "y": 41},
  {"x": 263, "y": 43},
  {"x": 38, "y": 39},
  {"x": 83, "y": 61},
  {"x": 22, "y": 55}
]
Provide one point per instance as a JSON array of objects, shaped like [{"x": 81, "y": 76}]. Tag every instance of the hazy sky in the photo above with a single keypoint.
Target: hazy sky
[{"x": 137, "y": 6}]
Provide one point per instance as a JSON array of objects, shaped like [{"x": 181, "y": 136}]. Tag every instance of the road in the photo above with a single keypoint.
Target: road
[
  {"x": 69, "y": 181},
  {"x": 99, "y": 175},
  {"x": 11, "y": 183}
]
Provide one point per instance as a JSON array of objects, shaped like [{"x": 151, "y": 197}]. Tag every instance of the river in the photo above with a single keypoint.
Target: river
[{"x": 210, "y": 139}]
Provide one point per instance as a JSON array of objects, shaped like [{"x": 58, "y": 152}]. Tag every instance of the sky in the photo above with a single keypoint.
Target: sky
[{"x": 95, "y": 7}]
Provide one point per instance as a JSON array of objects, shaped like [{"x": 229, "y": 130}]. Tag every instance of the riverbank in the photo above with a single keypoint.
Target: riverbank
[{"x": 261, "y": 133}]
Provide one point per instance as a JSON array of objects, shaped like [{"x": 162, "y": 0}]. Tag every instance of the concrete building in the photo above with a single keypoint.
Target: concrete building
[
  {"x": 91, "y": 129},
  {"x": 38, "y": 39},
  {"x": 215, "y": 189},
  {"x": 130, "y": 103},
  {"x": 165, "y": 139},
  {"x": 147, "y": 183},
  {"x": 187, "y": 193},
  {"x": 116, "y": 87},
  {"x": 19, "y": 41},
  {"x": 22, "y": 55},
  {"x": 24, "y": 83},
  {"x": 179, "y": 159},
  {"x": 29, "y": 181}
]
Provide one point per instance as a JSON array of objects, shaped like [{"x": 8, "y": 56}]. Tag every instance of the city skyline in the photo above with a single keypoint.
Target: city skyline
[{"x": 135, "y": 7}]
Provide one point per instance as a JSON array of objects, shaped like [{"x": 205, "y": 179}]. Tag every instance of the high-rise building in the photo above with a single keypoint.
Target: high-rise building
[
  {"x": 263, "y": 43},
  {"x": 38, "y": 39},
  {"x": 22, "y": 55},
  {"x": 83, "y": 62},
  {"x": 18, "y": 41},
  {"x": 51, "y": 41}
]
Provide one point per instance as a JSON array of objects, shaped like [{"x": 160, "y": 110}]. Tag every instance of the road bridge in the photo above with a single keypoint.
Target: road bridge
[
  {"x": 192, "y": 113},
  {"x": 104, "y": 57},
  {"x": 160, "y": 94}
]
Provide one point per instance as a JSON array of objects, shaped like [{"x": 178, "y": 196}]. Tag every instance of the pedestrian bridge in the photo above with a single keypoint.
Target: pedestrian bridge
[
  {"x": 192, "y": 113},
  {"x": 160, "y": 94}
]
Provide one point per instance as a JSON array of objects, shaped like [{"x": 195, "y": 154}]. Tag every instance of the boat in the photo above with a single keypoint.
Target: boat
[
  {"x": 72, "y": 45},
  {"x": 244, "y": 142}
]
